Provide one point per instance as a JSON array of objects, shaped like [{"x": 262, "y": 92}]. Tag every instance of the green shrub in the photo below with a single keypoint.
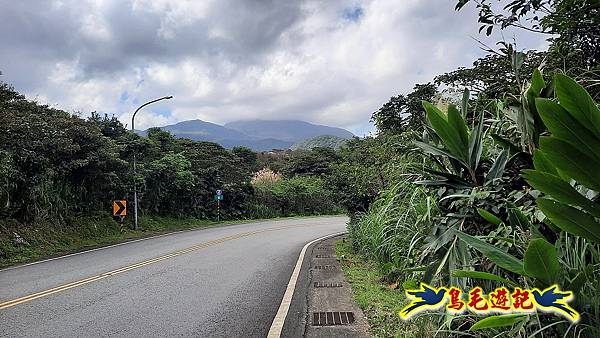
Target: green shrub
[{"x": 299, "y": 195}]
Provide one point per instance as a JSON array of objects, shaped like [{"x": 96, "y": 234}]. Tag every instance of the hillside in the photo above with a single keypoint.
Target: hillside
[
  {"x": 286, "y": 130},
  {"x": 326, "y": 141},
  {"x": 258, "y": 135},
  {"x": 204, "y": 131}
]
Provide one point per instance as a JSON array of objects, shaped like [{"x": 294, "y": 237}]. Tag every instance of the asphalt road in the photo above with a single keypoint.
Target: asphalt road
[{"x": 219, "y": 282}]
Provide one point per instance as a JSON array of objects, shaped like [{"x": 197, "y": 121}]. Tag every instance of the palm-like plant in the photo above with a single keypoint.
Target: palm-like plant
[
  {"x": 567, "y": 162},
  {"x": 566, "y": 171},
  {"x": 461, "y": 147}
]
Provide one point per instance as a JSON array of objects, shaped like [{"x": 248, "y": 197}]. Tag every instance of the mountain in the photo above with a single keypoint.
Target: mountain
[
  {"x": 257, "y": 145},
  {"x": 327, "y": 141},
  {"x": 258, "y": 135},
  {"x": 286, "y": 130},
  {"x": 204, "y": 131}
]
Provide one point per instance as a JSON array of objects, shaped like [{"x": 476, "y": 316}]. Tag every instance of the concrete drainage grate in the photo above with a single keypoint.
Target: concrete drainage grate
[
  {"x": 332, "y": 318},
  {"x": 328, "y": 285},
  {"x": 324, "y": 267},
  {"x": 324, "y": 256}
]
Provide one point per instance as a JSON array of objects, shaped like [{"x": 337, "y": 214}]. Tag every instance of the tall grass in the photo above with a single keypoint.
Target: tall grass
[{"x": 393, "y": 229}]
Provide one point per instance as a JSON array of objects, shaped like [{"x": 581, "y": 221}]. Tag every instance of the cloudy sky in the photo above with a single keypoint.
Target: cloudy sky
[{"x": 329, "y": 62}]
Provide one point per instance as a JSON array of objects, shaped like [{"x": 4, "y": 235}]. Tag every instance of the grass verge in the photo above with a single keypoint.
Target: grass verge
[
  {"x": 21, "y": 243},
  {"x": 378, "y": 301}
]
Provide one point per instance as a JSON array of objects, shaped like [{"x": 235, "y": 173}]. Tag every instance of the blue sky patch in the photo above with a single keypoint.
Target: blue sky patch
[
  {"x": 161, "y": 110},
  {"x": 353, "y": 14},
  {"x": 124, "y": 96}
]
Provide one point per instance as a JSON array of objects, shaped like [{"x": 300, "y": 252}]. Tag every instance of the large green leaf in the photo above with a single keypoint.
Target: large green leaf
[
  {"x": 540, "y": 260},
  {"x": 526, "y": 124},
  {"x": 506, "y": 144},
  {"x": 501, "y": 258},
  {"x": 476, "y": 144},
  {"x": 572, "y": 162},
  {"x": 537, "y": 83},
  {"x": 541, "y": 162},
  {"x": 570, "y": 219},
  {"x": 445, "y": 131},
  {"x": 430, "y": 149},
  {"x": 454, "y": 179},
  {"x": 516, "y": 218},
  {"x": 573, "y": 97},
  {"x": 534, "y": 91},
  {"x": 497, "y": 321},
  {"x": 563, "y": 126},
  {"x": 442, "y": 183},
  {"x": 488, "y": 216},
  {"x": 581, "y": 278},
  {"x": 481, "y": 275},
  {"x": 458, "y": 125},
  {"x": 560, "y": 190},
  {"x": 497, "y": 168},
  {"x": 465, "y": 103}
]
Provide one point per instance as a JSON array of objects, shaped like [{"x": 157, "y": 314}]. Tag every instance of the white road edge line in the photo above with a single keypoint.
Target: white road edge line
[{"x": 279, "y": 320}]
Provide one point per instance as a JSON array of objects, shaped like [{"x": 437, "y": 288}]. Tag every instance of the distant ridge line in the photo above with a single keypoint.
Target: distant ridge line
[{"x": 258, "y": 135}]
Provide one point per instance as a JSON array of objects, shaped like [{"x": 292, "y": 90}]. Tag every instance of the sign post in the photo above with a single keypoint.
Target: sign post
[
  {"x": 219, "y": 198},
  {"x": 120, "y": 210}
]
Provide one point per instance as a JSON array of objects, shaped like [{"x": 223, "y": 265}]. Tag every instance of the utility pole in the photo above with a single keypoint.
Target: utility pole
[
  {"x": 219, "y": 197},
  {"x": 135, "y": 201},
  {"x": 218, "y": 210}
]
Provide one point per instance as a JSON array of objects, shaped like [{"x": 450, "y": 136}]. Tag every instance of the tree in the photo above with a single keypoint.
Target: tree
[
  {"x": 496, "y": 74},
  {"x": 54, "y": 165},
  {"x": 162, "y": 138},
  {"x": 169, "y": 185},
  {"x": 58, "y": 163},
  {"x": 362, "y": 171},
  {"x": 247, "y": 158},
  {"x": 403, "y": 112},
  {"x": 314, "y": 162},
  {"x": 110, "y": 127},
  {"x": 576, "y": 22}
]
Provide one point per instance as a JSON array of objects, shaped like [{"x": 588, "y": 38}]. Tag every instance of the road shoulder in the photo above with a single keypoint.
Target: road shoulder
[{"x": 323, "y": 305}]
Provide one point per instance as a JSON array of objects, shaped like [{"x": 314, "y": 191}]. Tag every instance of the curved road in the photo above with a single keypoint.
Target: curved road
[{"x": 218, "y": 282}]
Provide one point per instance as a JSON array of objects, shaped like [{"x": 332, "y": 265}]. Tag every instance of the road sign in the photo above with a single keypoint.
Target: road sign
[
  {"x": 219, "y": 192},
  {"x": 218, "y": 197},
  {"x": 120, "y": 208}
]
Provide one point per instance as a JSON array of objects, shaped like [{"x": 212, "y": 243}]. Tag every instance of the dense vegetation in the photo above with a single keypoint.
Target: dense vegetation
[
  {"x": 487, "y": 175},
  {"x": 494, "y": 180},
  {"x": 59, "y": 174},
  {"x": 323, "y": 141}
]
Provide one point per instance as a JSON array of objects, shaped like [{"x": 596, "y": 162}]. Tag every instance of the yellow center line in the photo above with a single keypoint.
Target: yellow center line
[{"x": 111, "y": 273}]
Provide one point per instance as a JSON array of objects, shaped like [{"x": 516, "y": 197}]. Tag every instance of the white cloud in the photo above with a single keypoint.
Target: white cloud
[{"x": 228, "y": 60}]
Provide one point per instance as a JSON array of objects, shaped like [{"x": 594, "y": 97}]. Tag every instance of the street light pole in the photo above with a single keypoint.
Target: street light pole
[{"x": 135, "y": 201}]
